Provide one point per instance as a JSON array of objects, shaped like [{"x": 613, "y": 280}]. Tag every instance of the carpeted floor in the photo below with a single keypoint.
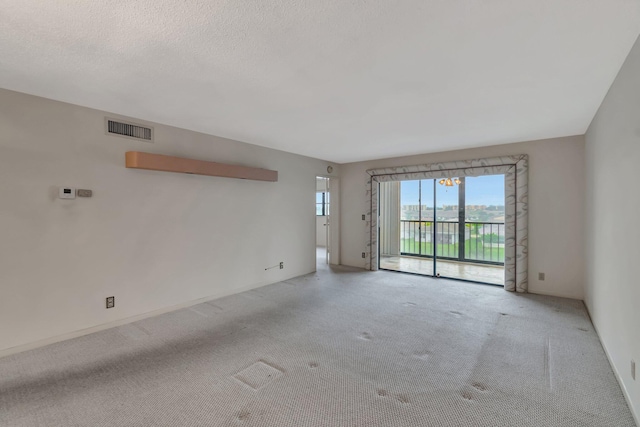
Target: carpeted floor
[{"x": 341, "y": 347}]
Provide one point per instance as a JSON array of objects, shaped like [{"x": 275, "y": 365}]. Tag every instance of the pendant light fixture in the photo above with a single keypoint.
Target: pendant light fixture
[{"x": 449, "y": 182}]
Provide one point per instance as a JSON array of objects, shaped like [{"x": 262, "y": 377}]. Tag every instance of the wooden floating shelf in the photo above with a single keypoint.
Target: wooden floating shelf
[{"x": 159, "y": 162}]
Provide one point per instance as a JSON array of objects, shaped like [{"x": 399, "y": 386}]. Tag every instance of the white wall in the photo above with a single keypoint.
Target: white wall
[
  {"x": 556, "y": 208},
  {"x": 612, "y": 227},
  {"x": 321, "y": 184},
  {"x": 152, "y": 239}
]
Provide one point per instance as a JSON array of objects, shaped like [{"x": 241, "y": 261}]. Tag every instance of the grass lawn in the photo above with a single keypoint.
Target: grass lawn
[{"x": 473, "y": 249}]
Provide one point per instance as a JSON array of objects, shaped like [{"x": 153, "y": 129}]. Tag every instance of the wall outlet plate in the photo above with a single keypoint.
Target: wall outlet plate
[
  {"x": 85, "y": 193},
  {"x": 67, "y": 193},
  {"x": 541, "y": 276},
  {"x": 111, "y": 302}
]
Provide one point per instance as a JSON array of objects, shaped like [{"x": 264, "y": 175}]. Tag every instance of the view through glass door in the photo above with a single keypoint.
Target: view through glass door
[{"x": 445, "y": 228}]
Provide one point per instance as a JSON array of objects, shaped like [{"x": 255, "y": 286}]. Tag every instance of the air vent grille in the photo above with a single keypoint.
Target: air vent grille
[{"x": 129, "y": 130}]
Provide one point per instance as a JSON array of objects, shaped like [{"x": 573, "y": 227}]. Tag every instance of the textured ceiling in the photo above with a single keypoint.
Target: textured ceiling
[{"x": 333, "y": 79}]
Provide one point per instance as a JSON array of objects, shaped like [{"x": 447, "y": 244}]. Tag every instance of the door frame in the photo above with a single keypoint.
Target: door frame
[
  {"x": 333, "y": 219},
  {"x": 515, "y": 170}
]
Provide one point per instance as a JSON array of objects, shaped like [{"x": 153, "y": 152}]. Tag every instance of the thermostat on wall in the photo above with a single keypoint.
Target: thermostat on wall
[{"x": 67, "y": 193}]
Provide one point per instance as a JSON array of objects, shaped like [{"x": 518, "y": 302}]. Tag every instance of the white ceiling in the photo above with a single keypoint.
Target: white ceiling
[{"x": 333, "y": 79}]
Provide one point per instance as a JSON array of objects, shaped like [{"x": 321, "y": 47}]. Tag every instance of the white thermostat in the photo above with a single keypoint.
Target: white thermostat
[{"x": 67, "y": 193}]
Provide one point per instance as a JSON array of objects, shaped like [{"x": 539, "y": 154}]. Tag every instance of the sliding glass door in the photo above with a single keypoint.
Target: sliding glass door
[
  {"x": 416, "y": 226},
  {"x": 450, "y": 227},
  {"x": 485, "y": 219}
]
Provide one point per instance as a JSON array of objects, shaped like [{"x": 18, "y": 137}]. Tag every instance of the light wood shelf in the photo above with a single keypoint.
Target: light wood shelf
[{"x": 159, "y": 162}]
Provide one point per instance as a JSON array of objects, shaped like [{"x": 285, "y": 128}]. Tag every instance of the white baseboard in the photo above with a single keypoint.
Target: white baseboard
[
  {"x": 614, "y": 368},
  {"x": 120, "y": 322},
  {"x": 556, "y": 294}
]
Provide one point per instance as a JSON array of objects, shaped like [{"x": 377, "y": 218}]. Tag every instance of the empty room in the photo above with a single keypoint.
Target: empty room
[{"x": 468, "y": 260}]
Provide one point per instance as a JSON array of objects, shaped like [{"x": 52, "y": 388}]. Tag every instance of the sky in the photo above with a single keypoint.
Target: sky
[{"x": 481, "y": 190}]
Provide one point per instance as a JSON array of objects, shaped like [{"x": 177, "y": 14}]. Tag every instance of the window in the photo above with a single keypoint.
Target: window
[{"x": 322, "y": 203}]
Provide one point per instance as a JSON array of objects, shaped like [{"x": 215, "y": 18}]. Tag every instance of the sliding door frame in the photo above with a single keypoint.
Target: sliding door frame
[{"x": 515, "y": 170}]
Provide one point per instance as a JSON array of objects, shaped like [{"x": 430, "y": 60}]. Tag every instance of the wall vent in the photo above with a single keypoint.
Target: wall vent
[{"x": 129, "y": 130}]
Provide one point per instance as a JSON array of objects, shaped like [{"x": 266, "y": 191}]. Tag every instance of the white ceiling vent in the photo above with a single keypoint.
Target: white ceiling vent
[{"x": 129, "y": 130}]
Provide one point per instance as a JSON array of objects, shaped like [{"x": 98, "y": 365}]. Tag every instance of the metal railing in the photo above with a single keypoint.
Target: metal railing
[{"x": 483, "y": 241}]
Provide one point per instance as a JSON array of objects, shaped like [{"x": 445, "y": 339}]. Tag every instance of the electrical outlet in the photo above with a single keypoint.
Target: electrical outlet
[
  {"x": 111, "y": 302},
  {"x": 364, "y": 255},
  {"x": 281, "y": 265},
  {"x": 633, "y": 369},
  {"x": 363, "y": 217},
  {"x": 541, "y": 276}
]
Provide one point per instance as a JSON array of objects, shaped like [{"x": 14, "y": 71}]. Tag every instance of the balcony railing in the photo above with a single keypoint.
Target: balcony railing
[{"x": 483, "y": 241}]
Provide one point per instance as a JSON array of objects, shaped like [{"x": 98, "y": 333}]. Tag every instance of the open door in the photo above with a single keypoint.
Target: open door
[
  {"x": 327, "y": 222},
  {"x": 327, "y": 242}
]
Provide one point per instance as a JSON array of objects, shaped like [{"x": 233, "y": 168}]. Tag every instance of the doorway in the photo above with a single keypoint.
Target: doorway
[
  {"x": 323, "y": 206},
  {"x": 451, "y": 227}
]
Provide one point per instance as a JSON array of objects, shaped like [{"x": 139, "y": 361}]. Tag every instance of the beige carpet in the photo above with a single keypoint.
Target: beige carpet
[{"x": 337, "y": 348}]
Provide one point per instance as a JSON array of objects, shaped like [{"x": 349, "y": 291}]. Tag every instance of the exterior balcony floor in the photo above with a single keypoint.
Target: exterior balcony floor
[{"x": 484, "y": 273}]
